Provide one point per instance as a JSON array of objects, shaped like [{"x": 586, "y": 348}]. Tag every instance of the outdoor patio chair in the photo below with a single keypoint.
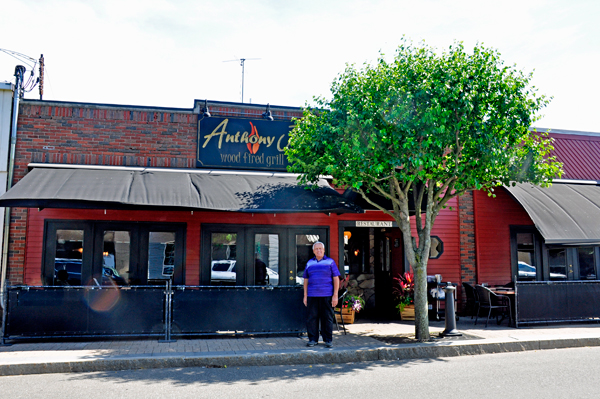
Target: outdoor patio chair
[
  {"x": 472, "y": 304},
  {"x": 493, "y": 302},
  {"x": 338, "y": 310}
]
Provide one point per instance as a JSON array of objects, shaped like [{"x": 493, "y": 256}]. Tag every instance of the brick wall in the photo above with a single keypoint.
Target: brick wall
[
  {"x": 90, "y": 134},
  {"x": 468, "y": 261},
  {"x": 468, "y": 250}
]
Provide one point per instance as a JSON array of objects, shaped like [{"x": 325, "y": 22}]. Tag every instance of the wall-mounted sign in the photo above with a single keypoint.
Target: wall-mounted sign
[
  {"x": 242, "y": 143},
  {"x": 373, "y": 223}
]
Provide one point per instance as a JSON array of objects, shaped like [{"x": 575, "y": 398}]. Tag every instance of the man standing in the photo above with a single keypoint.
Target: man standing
[{"x": 321, "y": 284}]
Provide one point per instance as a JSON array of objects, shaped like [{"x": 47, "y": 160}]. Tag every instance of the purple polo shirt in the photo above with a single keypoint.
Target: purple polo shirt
[{"x": 320, "y": 276}]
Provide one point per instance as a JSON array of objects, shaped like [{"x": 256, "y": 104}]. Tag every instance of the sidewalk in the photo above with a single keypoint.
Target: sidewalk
[{"x": 365, "y": 341}]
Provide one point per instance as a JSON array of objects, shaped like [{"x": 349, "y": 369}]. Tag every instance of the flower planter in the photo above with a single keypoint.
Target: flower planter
[
  {"x": 347, "y": 314},
  {"x": 408, "y": 313}
]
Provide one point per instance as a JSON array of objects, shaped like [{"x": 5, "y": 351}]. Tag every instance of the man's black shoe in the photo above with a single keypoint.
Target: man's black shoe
[
  {"x": 329, "y": 344},
  {"x": 311, "y": 343}
]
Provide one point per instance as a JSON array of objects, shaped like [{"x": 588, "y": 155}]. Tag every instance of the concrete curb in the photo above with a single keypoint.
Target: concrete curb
[{"x": 276, "y": 358}]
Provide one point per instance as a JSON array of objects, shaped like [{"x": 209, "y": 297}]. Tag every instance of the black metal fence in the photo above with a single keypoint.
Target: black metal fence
[
  {"x": 151, "y": 311},
  {"x": 209, "y": 309},
  {"x": 557, "y": 301}
]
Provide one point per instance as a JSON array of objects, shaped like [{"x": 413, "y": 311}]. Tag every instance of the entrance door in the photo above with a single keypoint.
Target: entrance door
[{"x": 389, "y": 261}]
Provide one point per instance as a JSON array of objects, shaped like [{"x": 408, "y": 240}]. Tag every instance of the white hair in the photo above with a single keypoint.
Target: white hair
[{"x": 318, "y": 242}]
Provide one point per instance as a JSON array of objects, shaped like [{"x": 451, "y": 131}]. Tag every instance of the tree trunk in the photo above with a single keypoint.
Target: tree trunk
[
  {"x": 418, "y": 262},
  {"x": 421, "y": 305}
]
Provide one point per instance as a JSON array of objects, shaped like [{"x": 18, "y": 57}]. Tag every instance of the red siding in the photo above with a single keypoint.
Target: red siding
[
  {"x": 493, "y": 218},
  {"x": 445, "y": 227}
]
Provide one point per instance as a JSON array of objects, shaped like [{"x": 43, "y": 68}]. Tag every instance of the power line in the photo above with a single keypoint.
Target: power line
[{"x": 31, "y": 82}]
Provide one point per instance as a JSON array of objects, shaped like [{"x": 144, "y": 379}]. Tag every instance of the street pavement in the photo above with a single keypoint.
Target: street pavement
[{"x": 365, "y": 341}]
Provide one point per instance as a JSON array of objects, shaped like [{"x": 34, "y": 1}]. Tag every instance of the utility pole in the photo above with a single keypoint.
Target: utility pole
[{"x": 41, "y": 76}]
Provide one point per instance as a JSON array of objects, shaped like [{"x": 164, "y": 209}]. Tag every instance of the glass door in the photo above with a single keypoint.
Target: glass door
[{"x": 303, "y": 240}]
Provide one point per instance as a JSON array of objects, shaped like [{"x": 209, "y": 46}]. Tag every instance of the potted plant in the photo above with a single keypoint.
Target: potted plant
[
  {"x": 404, "y": 290},
  {"x": 350, "y": 305}
]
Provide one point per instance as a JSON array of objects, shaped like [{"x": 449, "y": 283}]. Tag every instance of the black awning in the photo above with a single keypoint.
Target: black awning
[
  {"x": 565, "y": 213},
  {"x": 130, "y": 188}
]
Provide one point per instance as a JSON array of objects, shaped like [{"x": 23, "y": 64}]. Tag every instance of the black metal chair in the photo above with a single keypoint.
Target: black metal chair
[
  {"x": 338, "y": 311},
  {"x": 493, "y": 302},
  {"x": 472, "y": 305}
]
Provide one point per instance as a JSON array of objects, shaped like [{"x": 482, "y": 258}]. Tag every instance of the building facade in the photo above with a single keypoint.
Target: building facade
[{"x": 127, "y": 196}]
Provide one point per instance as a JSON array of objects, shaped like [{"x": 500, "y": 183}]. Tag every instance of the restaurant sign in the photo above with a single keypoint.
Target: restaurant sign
[
  {"x": 242, "y": 143},
  {"x": 374, "y": 223}
]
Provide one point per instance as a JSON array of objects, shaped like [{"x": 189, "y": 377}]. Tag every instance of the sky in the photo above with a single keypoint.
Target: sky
[{"x": 168, "y": 53}]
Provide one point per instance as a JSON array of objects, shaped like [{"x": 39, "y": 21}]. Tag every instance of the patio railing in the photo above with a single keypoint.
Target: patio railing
[
  {"x": 151, "y": 311},
  {"x": 557, "y": 301}
]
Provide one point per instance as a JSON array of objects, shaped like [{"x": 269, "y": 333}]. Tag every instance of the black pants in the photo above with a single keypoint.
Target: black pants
[{"x": 319, "y": 310}]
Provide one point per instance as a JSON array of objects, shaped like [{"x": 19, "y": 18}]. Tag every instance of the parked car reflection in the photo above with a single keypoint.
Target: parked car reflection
[
  {"x": 529, "y": 272},
  {"x": 223, "y": 273}
]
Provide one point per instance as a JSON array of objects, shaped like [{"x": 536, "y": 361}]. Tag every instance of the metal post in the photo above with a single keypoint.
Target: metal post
[
  {"x": 4, "y": 298},
  {"x": 450, "y": 330},
  {"x": 168, "y": 314}
]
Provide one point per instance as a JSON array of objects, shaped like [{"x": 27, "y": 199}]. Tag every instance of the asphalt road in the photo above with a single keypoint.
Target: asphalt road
[{"x": 559, "y": 373}]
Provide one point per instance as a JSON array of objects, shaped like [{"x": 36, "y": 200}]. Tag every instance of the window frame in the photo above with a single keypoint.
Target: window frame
[
  {"x": 94, "y": 240},
  {"x": 540, "y": 263},
  {"x": 245, "y": 249}
]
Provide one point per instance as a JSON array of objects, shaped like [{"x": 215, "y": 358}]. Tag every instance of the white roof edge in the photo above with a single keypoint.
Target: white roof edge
[
  {"x": 172, "y": 170},
  {"x": 569, "y": 181},
  {"x": 573, "y": 181},
  {"x": 564, "y": 131}
]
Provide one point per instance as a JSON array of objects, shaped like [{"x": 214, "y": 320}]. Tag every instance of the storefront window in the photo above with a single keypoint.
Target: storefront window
[
  {"x": 115, "y": 257},
  {"x": 223, "y": 256},
  {"x": 587, "y": 269},
  {"x": 266, "y": 259},
  {"x": 161, "y": 255},
  {"x": 557, "y": 260},
  {"x": 304, "y": 253},
  {"x": 526, "y": 257},
  {"x": 68, "y": 257},
  {"x": 114, "y": 253}
]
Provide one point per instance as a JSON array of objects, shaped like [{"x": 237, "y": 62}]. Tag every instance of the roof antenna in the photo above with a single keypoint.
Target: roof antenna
[{"x": 242, "y": 64}]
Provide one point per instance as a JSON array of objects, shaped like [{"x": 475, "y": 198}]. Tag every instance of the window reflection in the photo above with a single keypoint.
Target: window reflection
[
  {"x": 115, "y": 257},
  {"x": 526, "y": 256},
  {"x": 161, "y": 255},
  {"x": 223, "y": 255},
  {"x": 587, "y": 270},
  {"x": 68, "y": 257},
  {"x": 557, "y": 261},
  {"x": 266, "y": 259},
  {"x": 304, "y": 253}
]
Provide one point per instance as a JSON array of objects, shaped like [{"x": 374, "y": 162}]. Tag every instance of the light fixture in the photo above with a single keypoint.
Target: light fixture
[
  {"x": 356, "y": 252},
  {"x": 205, "y": 111},
  {"x": 267, "y": 114}
]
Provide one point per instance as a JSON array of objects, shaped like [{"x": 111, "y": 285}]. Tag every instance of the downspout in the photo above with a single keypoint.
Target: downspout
[{"x": 19, "y": 73}]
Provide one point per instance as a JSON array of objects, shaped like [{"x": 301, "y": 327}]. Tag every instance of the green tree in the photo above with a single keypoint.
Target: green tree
[{"x": 428, "y": 124}]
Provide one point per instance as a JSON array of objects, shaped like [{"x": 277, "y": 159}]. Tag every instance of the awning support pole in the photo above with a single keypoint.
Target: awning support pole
[{"x": 168, "y": 313}]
